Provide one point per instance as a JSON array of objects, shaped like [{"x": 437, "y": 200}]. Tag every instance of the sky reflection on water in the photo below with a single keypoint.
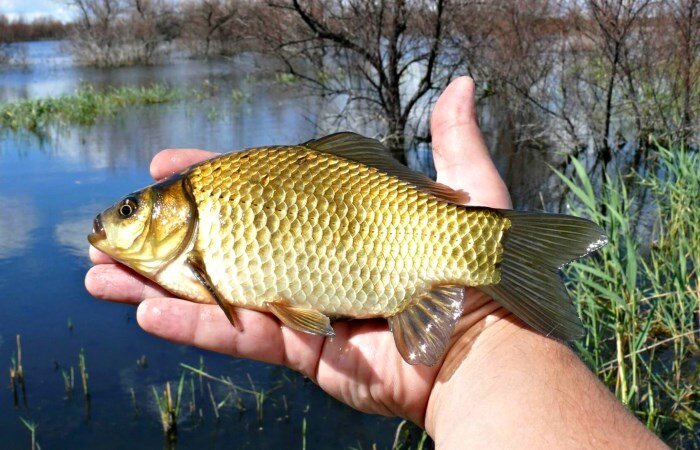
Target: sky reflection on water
[
  {"x": 52, "y": 186},
  {"x": 16, "y": 225}
]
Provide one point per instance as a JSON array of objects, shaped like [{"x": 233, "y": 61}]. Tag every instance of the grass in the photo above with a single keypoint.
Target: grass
[
  {"x": 134, "y": 402},
  {"x": 409, "y": 436},
  {"x": 31, "y": 426},
  {"x": 172, "y": 401},
  {"x": 169, "y": 408},
  {"x": 88, "y": 103},
  {"x": 260, "y": 395},
  {"x": 640, "y": 300},
  {"x": 259, "y": 398},
  {"x": 216, "y": 406},
  {"x": 303, "y": 433},
  {"x": 68, "y": 382},
  {"x": 17, "y": 381},
  {"x": 84, "y": 376},
  {"x": 83, "y": 107}
]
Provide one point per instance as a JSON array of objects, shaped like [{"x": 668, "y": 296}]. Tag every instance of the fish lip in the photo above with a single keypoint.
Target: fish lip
[{"x": 98, "y": 231}]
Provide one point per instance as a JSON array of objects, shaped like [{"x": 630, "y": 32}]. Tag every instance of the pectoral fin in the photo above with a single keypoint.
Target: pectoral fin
[
  {"x": 302, "y": 319},
  {"x": 423, "y": 329},
  {"x": 196, "y": 263}
]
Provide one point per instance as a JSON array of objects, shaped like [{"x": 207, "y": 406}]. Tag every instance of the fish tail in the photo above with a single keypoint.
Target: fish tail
[{"x": 535, "y": 247}]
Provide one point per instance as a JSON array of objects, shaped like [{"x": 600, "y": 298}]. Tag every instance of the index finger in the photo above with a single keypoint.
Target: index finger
[
  {"x": 171, "y": 161},
  {"x": 206, "y": 326}
]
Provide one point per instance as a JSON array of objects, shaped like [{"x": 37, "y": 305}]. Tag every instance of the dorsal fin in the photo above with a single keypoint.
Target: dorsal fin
[{"x": 373, "y": 153}]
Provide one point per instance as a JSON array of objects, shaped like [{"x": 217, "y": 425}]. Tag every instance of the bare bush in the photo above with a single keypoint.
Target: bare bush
[
  {"x": 591, "y": 79},
  {"x": 383, "y": 58},
  {"x": 122, "y": 32},
  {"x": 20, "y": 29},
  {"x": 213, "y": 26}
]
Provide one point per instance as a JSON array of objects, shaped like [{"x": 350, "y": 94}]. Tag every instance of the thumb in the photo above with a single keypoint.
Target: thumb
[{"x": 461, "y": 158}]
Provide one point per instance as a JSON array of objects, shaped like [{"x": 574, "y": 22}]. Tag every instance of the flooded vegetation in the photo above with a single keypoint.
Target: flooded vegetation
[
  {"x": 590, "y": 108},
  {"x": 82, "y": 107}
]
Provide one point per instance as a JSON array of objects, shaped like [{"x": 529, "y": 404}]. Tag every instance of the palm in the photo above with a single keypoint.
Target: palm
[{"x": 360, "y": 365}]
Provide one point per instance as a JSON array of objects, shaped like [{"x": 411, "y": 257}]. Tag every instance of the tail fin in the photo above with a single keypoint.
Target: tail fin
[{"x": 535, "y": 247}]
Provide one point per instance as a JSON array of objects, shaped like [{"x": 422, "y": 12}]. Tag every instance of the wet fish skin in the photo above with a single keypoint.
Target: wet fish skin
[
  {"x": 325, "y": 233},
  {"x": 336, "y": 228}
]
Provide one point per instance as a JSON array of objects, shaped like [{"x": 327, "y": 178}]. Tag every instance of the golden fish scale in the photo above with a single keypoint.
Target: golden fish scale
[{"x": 323, "y": 232}]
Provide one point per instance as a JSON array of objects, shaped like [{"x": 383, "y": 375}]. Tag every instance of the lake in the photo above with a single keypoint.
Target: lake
[{"x": 51, "y": 187}]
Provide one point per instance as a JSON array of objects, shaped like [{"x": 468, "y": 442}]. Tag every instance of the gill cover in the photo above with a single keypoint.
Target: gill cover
[{"x": 149, "y": 228}]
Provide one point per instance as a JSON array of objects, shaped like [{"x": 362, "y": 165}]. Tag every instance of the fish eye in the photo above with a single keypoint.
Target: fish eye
[{"x": 128, "y": 207}]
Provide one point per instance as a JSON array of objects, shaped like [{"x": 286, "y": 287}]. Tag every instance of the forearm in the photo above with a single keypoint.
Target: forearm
[{"x": 513, "y": 387}]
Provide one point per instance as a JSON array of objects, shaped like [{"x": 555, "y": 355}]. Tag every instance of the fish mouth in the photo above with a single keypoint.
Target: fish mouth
[{"x": 98, "y": 231}]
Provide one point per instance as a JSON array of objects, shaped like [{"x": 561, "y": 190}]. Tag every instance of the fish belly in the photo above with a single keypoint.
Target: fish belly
[{"x": 322, "y": 232}]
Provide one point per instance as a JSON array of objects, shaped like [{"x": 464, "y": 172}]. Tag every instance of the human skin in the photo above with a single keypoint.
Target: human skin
[{"x": 499, "y": 385}]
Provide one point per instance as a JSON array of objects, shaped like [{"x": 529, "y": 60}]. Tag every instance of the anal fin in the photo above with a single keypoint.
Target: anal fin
[
  {"x": 196, "y": 263},
  {"x": 423, "y": 329},
  {"x": 302, "y": 319}
]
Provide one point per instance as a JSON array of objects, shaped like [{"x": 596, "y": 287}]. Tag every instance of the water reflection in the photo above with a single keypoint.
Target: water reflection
[
  {"x": 65, "y": 177},
  {"x": 17, "y": 223},
  {"x": 72, "y": 234},
  {"x": 130, "y": 139},
  {"x": 52, "y": 72}
]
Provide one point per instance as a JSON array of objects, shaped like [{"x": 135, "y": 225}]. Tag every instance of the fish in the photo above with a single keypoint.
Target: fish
[{"x": 336, "y": 229}]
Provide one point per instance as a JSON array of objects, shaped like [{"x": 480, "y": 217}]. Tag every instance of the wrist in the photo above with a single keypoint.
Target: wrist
[
  {"x": 485, "y": 324},
  {"x": 504, "y": 385}
]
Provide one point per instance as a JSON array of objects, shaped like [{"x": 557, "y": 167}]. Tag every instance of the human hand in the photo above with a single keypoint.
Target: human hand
[{"x": 360, "y": 365}]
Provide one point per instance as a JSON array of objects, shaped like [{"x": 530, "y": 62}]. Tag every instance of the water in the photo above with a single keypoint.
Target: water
[{"x": 50, "y": 189}]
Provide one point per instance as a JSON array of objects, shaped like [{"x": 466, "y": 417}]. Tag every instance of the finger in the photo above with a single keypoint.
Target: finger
[
  {"x": 461, "y": 158},
  {"x": 98, "y": 257},
  {"x": 116, "y": 283},
  {"x": 171, "y": 161},
  {"x": 206, "y": 326}
]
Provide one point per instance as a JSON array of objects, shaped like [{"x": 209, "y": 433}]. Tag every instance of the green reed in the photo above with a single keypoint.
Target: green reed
[
  {"x": 17, "y": 381},
  {"x": 134, "y": 402},
  {"x": 639, "y": 298},
  {"x": 303, "y": 433},
  {"x": 409, "y": 436},
  {"x": 259, "y": 394},
  {"x": 68, "y": 382},
  {"x": 82, "y": 107},
  {"x": 84, "y": 376},
  {"x": 169, "y": 408},
  {"x": 31, "y": 426}
]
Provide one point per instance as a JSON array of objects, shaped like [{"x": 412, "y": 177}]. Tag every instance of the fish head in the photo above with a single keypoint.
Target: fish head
[{"x": 147, "y": 229}]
